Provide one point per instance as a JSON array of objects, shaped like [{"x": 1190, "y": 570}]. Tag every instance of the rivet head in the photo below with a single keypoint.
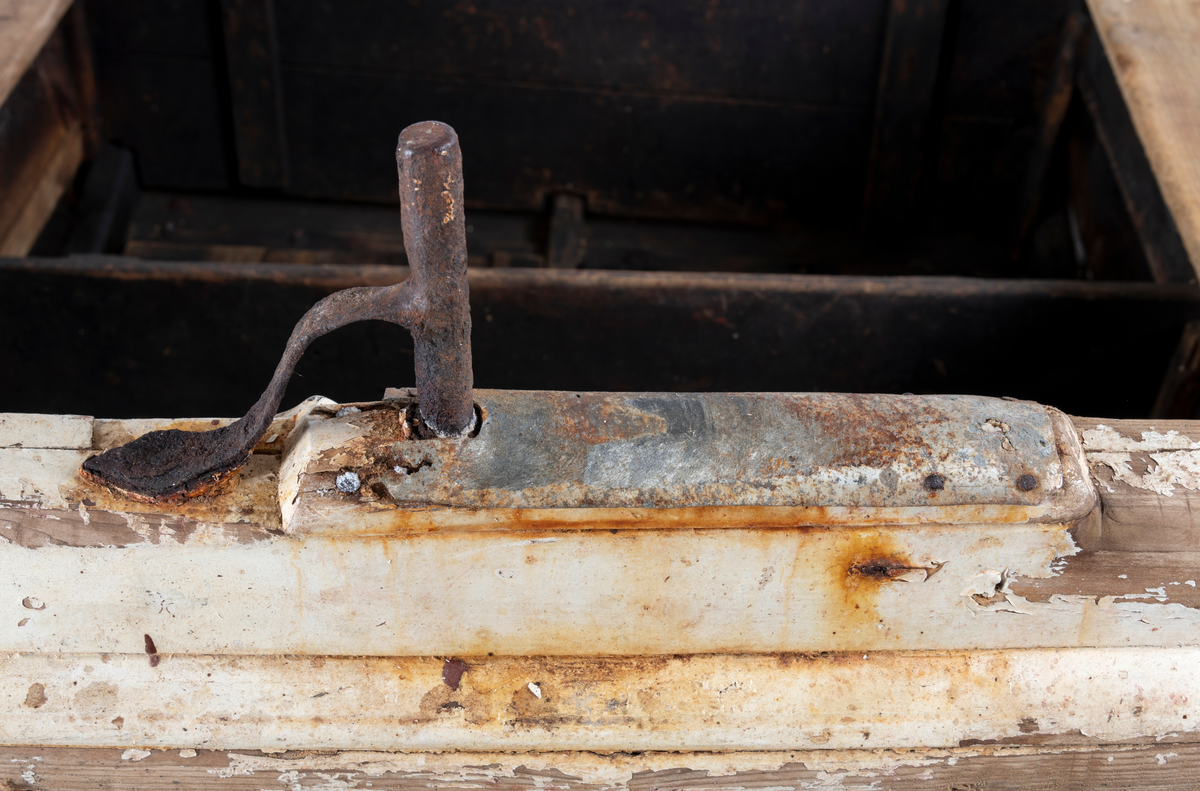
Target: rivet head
[
  {"x": 1027, "y": 482},
  {"x": 934, "y": 482}
]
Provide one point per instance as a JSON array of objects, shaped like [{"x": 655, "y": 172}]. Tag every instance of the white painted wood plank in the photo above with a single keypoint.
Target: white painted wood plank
[
  {"x": 890, "y": 700},
  {"x": 627, "y": 593},
  {"x": 19, "y": 430},
  {"x": 38, "y": 478}
]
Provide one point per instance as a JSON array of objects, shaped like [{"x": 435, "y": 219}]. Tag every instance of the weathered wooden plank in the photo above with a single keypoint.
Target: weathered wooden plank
[
  {"x": 167, "y": 108},
  {"x": 42, "y": 504},
  {"x": 1153, "y": 51},
  {"x": 550, "y": 591},
  {"x": 911, "y": 53},
  {"x": 45, "y": 431},
  {"x": 43, "y": 501},
  {"x": 527, "y": 141},
  {"x": 526, "y": 585},
  {"x": 1059, "y": 90},
  {"x": 55, "y": 177},
  {"x": 788, "y": 702},
  {"x": 1166, "y": 768},
  {"x": 150, "y": 330},
  {"x": 1166, "y": 254},
  {"x": 252, "y": 56},
  {"x": 101, "y": 217},
  {"x": 41, "y": 146},
  {"x": 1151, "y": 576},
  {"x": 1146, "y": 475},
  {"x": 775, "y": 50},
  {"x": 78, "y": 40},
  {"x": 25, "y": 26}
]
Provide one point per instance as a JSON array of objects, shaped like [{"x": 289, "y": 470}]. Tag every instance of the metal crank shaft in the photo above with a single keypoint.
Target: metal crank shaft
[{"x": 433, "y": 304}]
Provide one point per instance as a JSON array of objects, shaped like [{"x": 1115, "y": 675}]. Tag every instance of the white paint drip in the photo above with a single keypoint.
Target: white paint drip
[{"x": 134, "y": 754}]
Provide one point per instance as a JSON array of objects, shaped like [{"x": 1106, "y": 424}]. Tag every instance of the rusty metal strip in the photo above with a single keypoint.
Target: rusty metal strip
[{"x": 556, "y": 450}]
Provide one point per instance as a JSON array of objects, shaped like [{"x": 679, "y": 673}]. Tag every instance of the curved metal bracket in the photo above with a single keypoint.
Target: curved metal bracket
[{"x": 433, "y": 304}]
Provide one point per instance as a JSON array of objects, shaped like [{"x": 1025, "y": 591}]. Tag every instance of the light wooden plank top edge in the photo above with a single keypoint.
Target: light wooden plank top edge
[
  {"x": 25, "y": 25},
  {"x": 1154, "y": 49},
  {"x": 61, "y": 432}
]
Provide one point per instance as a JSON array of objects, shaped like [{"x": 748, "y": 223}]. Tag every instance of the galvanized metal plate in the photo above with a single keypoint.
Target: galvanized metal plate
[{"x": 539, "y": 449}]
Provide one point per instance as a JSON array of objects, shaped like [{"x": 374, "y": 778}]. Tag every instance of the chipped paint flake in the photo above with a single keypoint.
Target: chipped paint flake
[
  {"x": 1104, "y": 438},
  {"x": 832, "y": 770},
  {"x": 1169, "y": 469}
]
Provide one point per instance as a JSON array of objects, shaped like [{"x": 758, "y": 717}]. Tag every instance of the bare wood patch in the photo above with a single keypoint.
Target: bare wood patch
[
  {"x": 997, "y": 769},
  {"x": 1147, "y": 474},
  {"x": 1096, "y": 577}
]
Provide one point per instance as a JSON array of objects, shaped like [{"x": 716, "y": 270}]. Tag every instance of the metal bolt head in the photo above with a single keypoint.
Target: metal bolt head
[
  {"x": 348, "y": 482},
  {"x": 1027, "y": 482},
  {"x": 934, "y": 482}
]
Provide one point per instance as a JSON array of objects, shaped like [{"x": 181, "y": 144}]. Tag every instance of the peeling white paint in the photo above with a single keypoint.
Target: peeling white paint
[
  {"x": 1104, "y": 438},
  {"x": 832, "y": 769},
  {"x": 1170, "y": 469}
]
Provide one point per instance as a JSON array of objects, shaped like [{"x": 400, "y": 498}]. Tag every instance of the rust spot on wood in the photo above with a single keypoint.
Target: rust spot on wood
[{"x": 863, "y": 563}]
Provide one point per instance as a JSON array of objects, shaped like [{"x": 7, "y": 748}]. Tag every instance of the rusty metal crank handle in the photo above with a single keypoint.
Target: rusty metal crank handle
[{"x": 433, "y": 304}]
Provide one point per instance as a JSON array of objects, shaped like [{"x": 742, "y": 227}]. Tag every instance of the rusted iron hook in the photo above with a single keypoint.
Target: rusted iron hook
[{"x": 433, "y": 304}]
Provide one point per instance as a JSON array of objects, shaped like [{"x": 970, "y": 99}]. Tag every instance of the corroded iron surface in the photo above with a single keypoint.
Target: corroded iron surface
[
  {"x": 165, "y": 466},
  {"x": 663, "y": 450}
]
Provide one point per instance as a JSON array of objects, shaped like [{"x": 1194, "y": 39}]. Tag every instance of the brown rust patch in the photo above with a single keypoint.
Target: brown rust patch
[
  {"x": 603, "y": 420},
  {"x": 862, "y": 563},
  {"x": 418, "y": 518},
  {"x": 865, "y": 433},
  {"x": 441, "y": 703}
]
